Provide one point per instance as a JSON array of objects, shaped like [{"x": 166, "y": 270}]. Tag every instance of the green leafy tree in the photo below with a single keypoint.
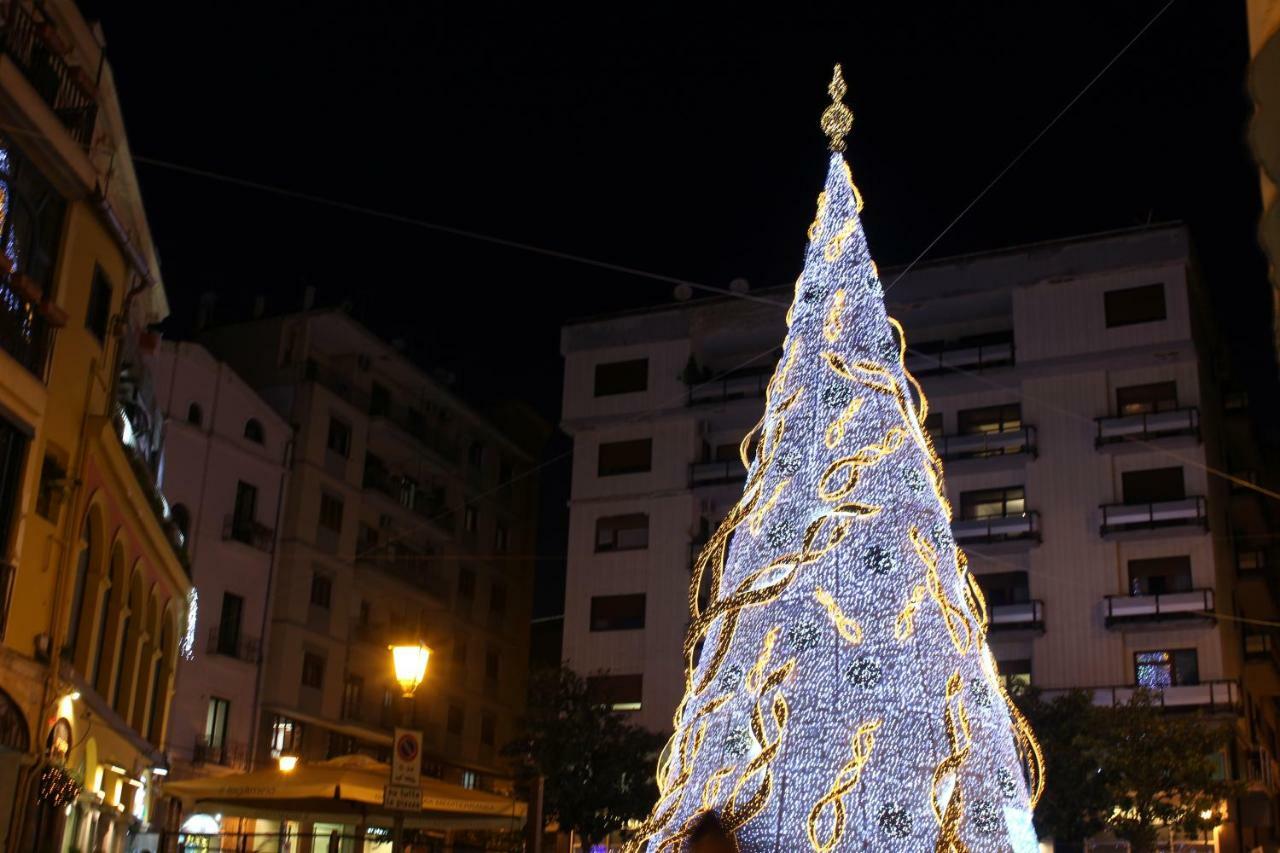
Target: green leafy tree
[{"x": 596, "y": 766}]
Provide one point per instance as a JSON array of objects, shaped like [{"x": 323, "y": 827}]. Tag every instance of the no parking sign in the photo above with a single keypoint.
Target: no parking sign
[{"x": 406, "y": 758}]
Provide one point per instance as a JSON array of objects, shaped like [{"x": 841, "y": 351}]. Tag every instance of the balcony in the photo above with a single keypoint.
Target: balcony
[
  {"x": 1250, "y": 562},
  {"x": 953, "y": 448},
  {"x": 34, "y": 45},
  {"x": 427, "y": 503},
  {"x": 738, "y": 385},
  {"x": 1261, "y": 770},
  {"x": 1217, "y": 695},
  {"x": 715, "y": 472},
  {"x": 1192, "y": 606},
  {"x": 1023, "y": 528},
  {"x": 249, "y": 532},
  {"x": 1262, "y": 646},
  {"x": 1148, "y": 426},
  {"x": 413, "y": 424},
  {"x": 24, "y": 334},
  {"x": 234, "y": 756},
  {"x": 1189, "y": 512},
  {"x": 238, "y": 646},
  {"x": 1022, "y": 616},
  {"x": 129, "y": 430},
  {"x": 970, "y": 356},
  {"x": 411, "y": 568}
]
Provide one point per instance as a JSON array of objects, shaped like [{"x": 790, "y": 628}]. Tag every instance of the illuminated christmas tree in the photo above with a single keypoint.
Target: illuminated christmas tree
[{"x": 840, "y": 691}]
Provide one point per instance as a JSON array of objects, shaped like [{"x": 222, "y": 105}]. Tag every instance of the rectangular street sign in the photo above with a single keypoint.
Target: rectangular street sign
[{"x": 406, "y": 798}]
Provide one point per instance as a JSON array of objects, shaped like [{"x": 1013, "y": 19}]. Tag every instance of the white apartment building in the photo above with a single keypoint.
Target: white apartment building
[
  {"x": 225, "y": 473},
  {"x": 1076, "y": 397}
]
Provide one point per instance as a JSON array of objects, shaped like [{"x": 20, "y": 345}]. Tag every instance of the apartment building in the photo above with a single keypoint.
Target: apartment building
[
  {"x": 1074, "y": 391},
  {"x": 94, "y": 588},
  {"x": 225, "y": 474},
  {"x": 407, "y": 515}
]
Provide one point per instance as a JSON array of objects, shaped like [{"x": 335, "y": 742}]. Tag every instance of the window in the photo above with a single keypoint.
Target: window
[
  {"x": 1134, "y": 305},
  {"x": 244, "y": 518},
  {"x": 730, "y": 452},
  {"x": 619, "y": 692},
  {"x": 491, "y": 664},
  {"x": 253, "y": 431},
  {"x": 488, "y": 729},
  {"x": 1153, "y": 485},
  {"x": 1015, "y": 674},
  {"x": 215, "y": 723},
  {"x": 498, "y": 599},
  {"x": 466, "y": 584},
  {"x": 500, "y": 537},
  {"x": 99, "y": 311},
  {"x": 286, "y": 736},
  {"x": 459, "y": 653},
  {"x": 468, "y": 777},
  {"x": 454, "y": 721},
  {"x": 330, "y": 512},
  {"x": 933, "y": 425},
  {"x": 1002, "y": 588},
  {"x": 470, "y": 518},
  {"x": 617, "y": 612},
  {"x": 1147, "y": 399},
  {"x": 379, "y": 400},
  {"x": 1160, "y": 669},
  {"x": 993, "y": 503},
  {"x": 625, "y": 457},
  {"x": 388, "y": 705},
  {"x": 339, "y": 440},
  {"x": 229, "y": 624},
  {"x": 53, "y": 483},
  {"x": 312, "y": 670},
  {"x": 321, "y": 590},
  {"x": 1159, "y": 575},
  {"x": 988, "y": 419},
  {"x": 622, "y": 532},
  {"x": 475, "y": 455},
  {"x": 195, "y": 415},
  {"x": 352, "y": 695},
  {"x": 622, "y": 377}
]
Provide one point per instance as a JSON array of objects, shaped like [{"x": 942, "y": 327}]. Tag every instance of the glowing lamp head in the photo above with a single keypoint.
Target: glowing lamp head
[
  {"x": 410, "y": 663},
  {"x": 288, "y": 763}
]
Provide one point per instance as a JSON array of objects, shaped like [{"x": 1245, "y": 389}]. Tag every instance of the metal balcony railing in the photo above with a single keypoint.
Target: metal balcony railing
[
  {"x": 715, "y": 472},
  {"x": 234, "y": 755},
  {"x": 961, "y": 356},
  {"x": 1250, "y": 562},
  {"x": 134, "y": 450},
  {"x": 735, "y": 386},
  {"x": 1022, "y": 616},
  {"x": 1182, "y": 512},
  {"x": 1261, "y": 769},
  {"x": 31, "y": 41},
  {"x": 1262, "y": 646},
  {"x": 1148, "y": 425},
  {"x": 238, "y": 646},
  {"x": 1219, "y": 694},
  {"x": 982, "y": 445},
  {"x": 1161, "y": 607},
  {"x": 999, "y": 528},
  {"x": 249, "y": 532},
  {"x": 426, "y": 502},
  {"x": 413, "y": 569},
  {"x": 24, "y": 334}
]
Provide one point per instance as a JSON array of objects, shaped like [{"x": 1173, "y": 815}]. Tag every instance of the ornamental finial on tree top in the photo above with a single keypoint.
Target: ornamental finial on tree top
[{"x": 837, "y": 119}]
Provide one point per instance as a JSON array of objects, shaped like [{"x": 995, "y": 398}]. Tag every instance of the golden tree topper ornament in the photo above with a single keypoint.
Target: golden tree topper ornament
[{"x": 837, "y": 119}]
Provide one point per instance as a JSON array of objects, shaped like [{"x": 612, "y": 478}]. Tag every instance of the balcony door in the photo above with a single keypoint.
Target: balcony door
[
  {"x": 1004, "y": 588},
  {"x": 1159, "y": 576},
  {"x": 246, "y": 511},
  {"x": 993, "y": 503},
  {"x": 1159, "y": 669},
  {"x": 1153, "y": 485},
  {"x": 229, "y": 624}
]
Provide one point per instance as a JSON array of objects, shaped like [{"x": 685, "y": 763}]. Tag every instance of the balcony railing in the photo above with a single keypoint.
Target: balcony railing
[
  {"x": 32, "y": 44},
  {"x": 413, "y": 569},
  {"x": 1148, "y": 425},
  {"x": 1000, "y": 528},
  {"x": 414, "y": 425},
  {"x": 1251, "y": 562},
  {"x": 959, "y": 356},
  {"x": 238, "y": 646},
  {"x": 249, "y": 532},
  {"x": 134, "y": 450},
  {"x": 233, "y": 755},
  {"x": 1221, "y": 694},
  {"x": 1022, "y": 616},
  {"x": 1182, "y": 512},
  {"x": 1194, "y": 604},
  {"x": 982, "y": 445},
  {"x": 735, "y": 386},
  {"x": 1262, "y": 646},
  {"x": 24, "y": 334},
  {"x": 1261, "y": 769},
  {"x": 428, "y": 503},
  {"x": 715, "y": 472}
]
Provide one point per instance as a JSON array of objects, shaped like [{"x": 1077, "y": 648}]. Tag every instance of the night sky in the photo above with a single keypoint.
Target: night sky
[{"x": 682, "y": 142}]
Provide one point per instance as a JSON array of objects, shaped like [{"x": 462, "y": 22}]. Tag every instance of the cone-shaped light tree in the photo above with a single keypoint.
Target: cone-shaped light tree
[{"x": 840, "y": 691}]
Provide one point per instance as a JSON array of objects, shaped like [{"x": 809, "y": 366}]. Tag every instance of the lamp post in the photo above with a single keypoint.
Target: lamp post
[{"x": 409, "y": 662}]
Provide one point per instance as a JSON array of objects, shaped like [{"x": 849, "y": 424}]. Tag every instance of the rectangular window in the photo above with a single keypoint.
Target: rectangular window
[
  {"x": 989, "y": 419},
  {"x": 1002, "y": 588},
  {"x": 933, "y": 425},
  {"x": 475, "y": 455},
  {"x": 625, "y": 457},
  {"x": 352, "y": 697},
  {"x": 619, "y": 692},
  {"x": 1159, "y": 575},
  {"x": 312, "y": 670},
  {"x": 215, "y": 722},
  {"x": 470, "y": 518},
  {"x": 1134, "y": 305},
  {"x": 245, "y": 514},
  {"x": 1015, "y": 674},
  {"x": 501, "y": 537},
  {"x": 622, "y": 532},
  {"x": 459, "y": 653},
  {"x": 622, "y": 377},
  {"x": 1153, "y": 485},
  {"x": 1160, "y": 669},
  {"x": 728, "y": 452},
  {"x": 330, "y": 512},
  {"x": 497, "y": 599},
  {"x": 455, "y": 720},
  {"x": 339, "y": 440},
  {"x": 466, "y": 584},
  {"x": 53, "y": 484},
  {"x": 229, "y": 621},
  {"x": 469, "y": 779},
  {"x": 379, "y": 400},
  {"x": 286, "y": 736},
  {"x": 488, "y": 729},
  {"x": 1147, "y": 399},
  {"x": 491, "y": 664},
  {"x": 99, "y": 312},
  {"x": 617, "y": 612},
  {"x": 321, "y": 590},
  {"x": 993, "y": 503}
]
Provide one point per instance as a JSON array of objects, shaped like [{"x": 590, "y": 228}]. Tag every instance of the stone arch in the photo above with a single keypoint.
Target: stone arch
[
  {"x": 87, "y": 584},
  {"x": 15, "y": 733},
  {"x": 156, "y": 721},
  {"x": 131, "y": 632},
  {"x": 254, "y": 432},
  {"x": 148, "y": 655},
  {"x": 112, "y": 607}
]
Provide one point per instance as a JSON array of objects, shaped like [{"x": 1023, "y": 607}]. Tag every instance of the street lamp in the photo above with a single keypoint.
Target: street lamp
[{"x": 410, "y": 663}]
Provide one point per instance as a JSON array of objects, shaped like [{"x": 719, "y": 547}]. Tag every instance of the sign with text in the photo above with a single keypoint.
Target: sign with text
[
  {"x": 405, "y": 798},
  {"x": 406, "y": 758}
]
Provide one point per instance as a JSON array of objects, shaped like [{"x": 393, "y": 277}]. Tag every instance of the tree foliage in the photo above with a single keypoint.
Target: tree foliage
[
  {"x": 597, "y": 766},
  {"x": 1133, "y": 768}
]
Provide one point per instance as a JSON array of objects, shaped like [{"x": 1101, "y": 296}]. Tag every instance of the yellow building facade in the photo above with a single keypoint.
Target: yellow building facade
[{"x": 96, "y": 597}]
